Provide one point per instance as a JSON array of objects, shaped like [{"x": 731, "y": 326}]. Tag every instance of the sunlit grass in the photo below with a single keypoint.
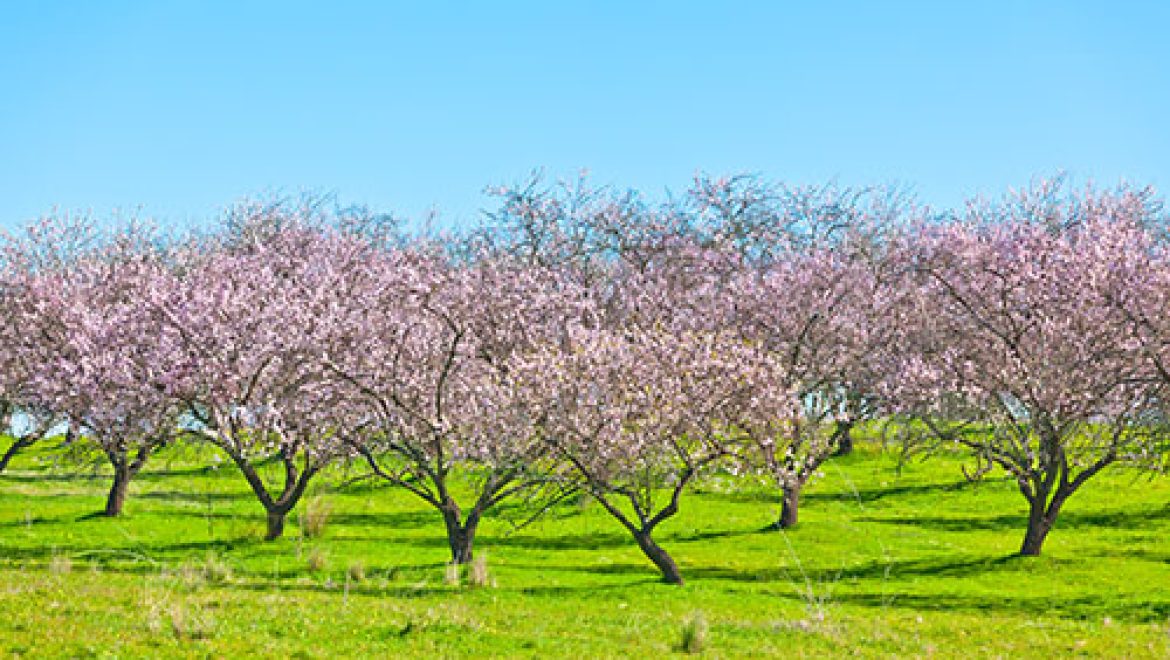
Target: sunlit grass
[{"x": 885, "y": 561}]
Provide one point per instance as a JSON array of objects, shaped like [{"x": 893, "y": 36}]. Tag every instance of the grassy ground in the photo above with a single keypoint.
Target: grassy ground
[{"x": 915, "y": 562}]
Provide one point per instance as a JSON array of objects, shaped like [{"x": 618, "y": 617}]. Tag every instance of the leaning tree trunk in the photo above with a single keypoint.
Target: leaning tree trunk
[
  {"x": 646, "y": 524},
  {"x": 641, "y": 533},
  {"x": 17, "y": 446},
  {"x": 660, "y": 557},
  {"x": 1041, "y": 518},
  {"x": 116, "y": 498},
  {"x": 1038, "y": 529}
]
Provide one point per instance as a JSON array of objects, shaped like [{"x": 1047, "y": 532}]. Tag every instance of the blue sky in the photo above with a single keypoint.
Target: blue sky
[{"x": 178, "y": 108}]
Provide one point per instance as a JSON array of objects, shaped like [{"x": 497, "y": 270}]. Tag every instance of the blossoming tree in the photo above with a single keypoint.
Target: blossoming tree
[
  {"x": 428, "y": 359},
  {"x": 255, "y": 319},
  {"x": 1016, "y": 352}
]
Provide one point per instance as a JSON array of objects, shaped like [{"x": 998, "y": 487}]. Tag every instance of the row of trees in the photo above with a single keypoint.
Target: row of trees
[{"x": 588, "y": 340}]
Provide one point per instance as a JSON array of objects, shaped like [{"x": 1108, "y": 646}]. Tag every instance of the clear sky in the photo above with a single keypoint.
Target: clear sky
[{"x": 178, "y": 108}]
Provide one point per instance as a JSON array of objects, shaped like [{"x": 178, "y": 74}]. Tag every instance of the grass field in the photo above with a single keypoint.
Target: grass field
[{"x": 910, "y": 562}]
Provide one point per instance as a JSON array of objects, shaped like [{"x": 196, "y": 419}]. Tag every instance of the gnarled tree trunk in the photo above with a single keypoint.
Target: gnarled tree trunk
[
  {"x": 645, "y": 527},
  {"x": 660, "y": 557}
]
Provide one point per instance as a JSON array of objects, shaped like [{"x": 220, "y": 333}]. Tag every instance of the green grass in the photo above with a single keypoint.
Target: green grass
[{"x": 884, "y": 562}]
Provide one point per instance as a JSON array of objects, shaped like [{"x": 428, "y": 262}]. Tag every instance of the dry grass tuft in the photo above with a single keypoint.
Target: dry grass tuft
[
  {"x": 453, "y": 576},
  {"x": 478, "y": 574},
  {"x": 356, "y": 571},
  {"x": 60, "y": 565},
  {"x": 694, "y": 634},
  {"x": 317, "y": 560},
  {"x": 315, "y": 517}
]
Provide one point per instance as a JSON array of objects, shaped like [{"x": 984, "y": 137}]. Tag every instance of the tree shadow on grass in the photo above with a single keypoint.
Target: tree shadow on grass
[
  {"x": 892, "y": 574},
  {"x": 135, "y": 515},
  {"x": 150, "y": 553},
  {"x": 290, "y": 576},
  {"x": 84, "y": 478},
  {"x": 390, "y": 521},
  {"x": 354, "y": 486},
  {"x": 865, "y": 495},
  {"x": 164, "y": 472},
  {"x": 1146, "y": 555},
  {"x": 882, "y": 570},
  {"x": 560, "y": 542},
  {"x": 876, "y": 493},
  {"x": 188, "y": 498},
  {"x": 37, "y": 520},
  {"x": 400, "y": 580},
  {"x": 179, "y": 550},
  {"x": 428, "y": 582},
  {"x": 1080, "y": 607},
  {"x": 951, "y": 523},
  {"x": 707, "y": 535},
  {"x": 1146, "y": 518},
  {"x": 1151, "y": 518},
  {"x": 956, "y": 567}
]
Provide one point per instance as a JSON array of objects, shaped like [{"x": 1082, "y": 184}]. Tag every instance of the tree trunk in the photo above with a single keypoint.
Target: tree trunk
[
  {"x": 661, "y": 559},
  {"x": 277, "y": 509},
  {"x": 460, "y": 535},
  {"x": 117, "y": 497},
  {"x": 1041, "y": 519},
  {"x": 19, "y": 444},
  {"x": 275, "y": 524},
  {"x": 790, "y": 507},
  {"x": 844, "y": 438},
  {"x": 1038, "y": 528},
  {"x": 125, "y": 469}
]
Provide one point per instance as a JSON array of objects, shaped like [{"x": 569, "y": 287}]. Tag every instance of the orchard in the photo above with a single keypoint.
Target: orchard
[
  {"x": 589, "y": 345},
  {"x": 583, "y": 341}
]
